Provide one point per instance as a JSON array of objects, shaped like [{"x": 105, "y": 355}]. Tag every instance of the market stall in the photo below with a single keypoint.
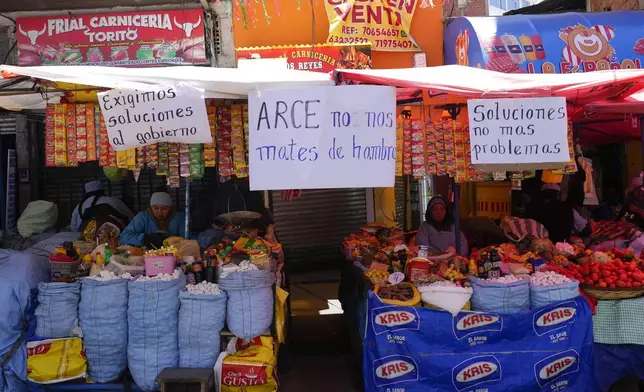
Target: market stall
[
  {"x": 215, "y": 304},
  {"x": 546, "y": 304}
]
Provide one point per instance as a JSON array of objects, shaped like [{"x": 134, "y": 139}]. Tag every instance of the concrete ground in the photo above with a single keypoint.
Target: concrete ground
[{"x": 317, "y": 359}]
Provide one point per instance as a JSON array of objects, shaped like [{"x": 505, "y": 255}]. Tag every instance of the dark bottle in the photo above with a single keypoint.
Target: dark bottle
[
  {"x": 197, "y": 269},
  {"x": 190, "y": 276},
  {"x": 210, "y": 272}
]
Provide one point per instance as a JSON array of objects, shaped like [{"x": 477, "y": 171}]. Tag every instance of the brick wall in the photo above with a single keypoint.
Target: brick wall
[
  {"x": 474, "y": 8},
  {"x": 613, "y": 5}
]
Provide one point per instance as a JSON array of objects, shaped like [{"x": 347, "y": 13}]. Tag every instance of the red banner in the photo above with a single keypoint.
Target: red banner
[
  {"x": 119, "y": 39},
  {"x": 320, "y": 58}
]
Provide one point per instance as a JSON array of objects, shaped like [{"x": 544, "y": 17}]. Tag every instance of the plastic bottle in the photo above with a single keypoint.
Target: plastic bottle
[{"x": 108, "y": 254}]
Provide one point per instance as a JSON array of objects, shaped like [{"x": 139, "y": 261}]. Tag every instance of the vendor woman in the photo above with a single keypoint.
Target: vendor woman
[
  {"x": 438, "y": 232},
  {"x": 151, "y": 226}
]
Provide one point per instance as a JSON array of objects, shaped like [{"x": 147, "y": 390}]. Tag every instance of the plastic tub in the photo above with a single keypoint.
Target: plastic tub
[{"x": 159, "y": 265}]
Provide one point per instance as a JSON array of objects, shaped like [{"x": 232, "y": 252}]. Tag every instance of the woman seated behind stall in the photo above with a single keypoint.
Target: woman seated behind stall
[
  {"x": 158, "y": 222},
  {"x": 438, "y": 232},
  {"x": 633, "y": 209}
]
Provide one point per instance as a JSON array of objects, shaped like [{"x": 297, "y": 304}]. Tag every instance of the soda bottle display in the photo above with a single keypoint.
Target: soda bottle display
[
  {"x": 539, "y": 50},
  {"x": 514, "y": 48},
  {"x": 528, "y": 48},
  {"x": 499, "y": 47}
]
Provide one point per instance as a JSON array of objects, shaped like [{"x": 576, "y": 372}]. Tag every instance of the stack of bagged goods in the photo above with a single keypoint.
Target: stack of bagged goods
[
  {"x": 103, "y": 319},
  {"x": 549, "y": 286},
  {"x": 247, "y": 366},
  {"x": 111, "y": 308},
  {"x": 202, "y": 316},
  {"x": 153, "y": 318},
  {"x": 249, "y": 312},
  {"x": 57, "y": 326}
]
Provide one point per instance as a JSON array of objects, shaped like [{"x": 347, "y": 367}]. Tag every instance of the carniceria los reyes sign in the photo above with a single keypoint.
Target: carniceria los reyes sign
[
  {"x": 518, "y": 134},
  {"x": 135, "y": 118},
  {"x": 128, "y": 38},
  {"x": 322, "y": 137}
]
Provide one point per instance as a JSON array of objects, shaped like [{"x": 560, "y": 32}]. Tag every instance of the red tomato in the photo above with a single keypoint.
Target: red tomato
[
  {"x": 594, "y": 276},
  {"x": 603, "y": 284},
  {"x": 612, "y": 285},
  {"x": 623, "y": 277},
  {"x": 605, "y": 273},
  {"x": 620, "y": 284},
  {"x": 629, "y": 285}
]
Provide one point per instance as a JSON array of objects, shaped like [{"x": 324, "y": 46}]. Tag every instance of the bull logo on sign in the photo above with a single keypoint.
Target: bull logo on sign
[
  {"x": 188, "y": 27},
  {"x": 32, "y": 34}
]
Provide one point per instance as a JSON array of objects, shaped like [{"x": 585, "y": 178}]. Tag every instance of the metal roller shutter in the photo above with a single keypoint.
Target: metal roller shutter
[
  {"x": 64, "y": 186},
  {"x": 312, "y": 228},
  {"x": 7, "y": 124}
]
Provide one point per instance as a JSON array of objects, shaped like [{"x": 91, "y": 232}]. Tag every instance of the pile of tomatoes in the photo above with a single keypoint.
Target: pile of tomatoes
[{"x": 613, "y": 274}]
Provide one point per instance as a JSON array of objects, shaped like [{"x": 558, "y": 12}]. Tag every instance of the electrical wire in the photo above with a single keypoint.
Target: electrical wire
[{"x": 8, "y": 17}]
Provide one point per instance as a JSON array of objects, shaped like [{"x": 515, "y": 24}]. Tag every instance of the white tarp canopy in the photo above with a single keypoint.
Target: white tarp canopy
[
  {"x": 217, "y": 82},
  {"x": 25, "y": 96}
]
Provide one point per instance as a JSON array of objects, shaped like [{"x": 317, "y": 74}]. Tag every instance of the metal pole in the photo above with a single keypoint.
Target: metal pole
[
  {"x": 642, "y": 133},
  {"x": 456, "y": 188},
  {"x": 187, "y": 235}
]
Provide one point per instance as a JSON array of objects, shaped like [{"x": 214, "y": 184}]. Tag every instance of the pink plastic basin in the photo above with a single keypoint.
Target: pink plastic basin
[{"x": 159, "y": 265}]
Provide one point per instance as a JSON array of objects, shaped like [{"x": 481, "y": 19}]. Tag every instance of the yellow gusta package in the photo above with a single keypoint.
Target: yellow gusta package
[
  {"x": 247, "y": 366},
  {"x": 56, "y": 360}
]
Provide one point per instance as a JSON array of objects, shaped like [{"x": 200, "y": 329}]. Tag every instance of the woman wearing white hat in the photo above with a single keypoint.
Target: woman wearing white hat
[{"x": 158, "y": 221}]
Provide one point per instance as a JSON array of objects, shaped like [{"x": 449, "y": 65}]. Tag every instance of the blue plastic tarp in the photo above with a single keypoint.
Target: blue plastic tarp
[{"x": 418, "y": 349}]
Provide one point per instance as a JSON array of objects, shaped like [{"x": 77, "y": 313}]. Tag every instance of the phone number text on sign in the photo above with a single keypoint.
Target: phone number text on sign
[
  {"x": 530, "y": 131},
  {"x": 324, "y": 137},
  {"x": 383, "y": 23}
]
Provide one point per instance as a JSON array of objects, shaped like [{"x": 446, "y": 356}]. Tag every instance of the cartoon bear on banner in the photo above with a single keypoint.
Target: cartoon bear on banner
[{"x": 586, "y": 45}]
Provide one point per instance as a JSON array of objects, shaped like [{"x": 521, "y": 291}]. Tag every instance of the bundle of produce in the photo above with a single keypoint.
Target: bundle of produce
[
  {"x": 152, "y": 315},
  {"x": 201, "y": 318},
  {"x": 610, "y": 230},
  {"x": 103, "y": 319},
  {"x": 377, "y": 276},
  {"x": 402, "y": 294},
  {"x": 549, "y": 286},
  {"x": 507, "y": 294}
]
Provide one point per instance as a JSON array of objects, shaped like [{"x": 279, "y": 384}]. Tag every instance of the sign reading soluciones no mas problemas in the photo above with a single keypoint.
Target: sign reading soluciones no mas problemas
[
  {"x": 135, "y": 118},
  {"x": 511, "y": 134},
  {"x": 323, "y": 137}
]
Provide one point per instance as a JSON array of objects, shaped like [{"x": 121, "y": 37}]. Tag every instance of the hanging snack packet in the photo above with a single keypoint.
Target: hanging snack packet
[
  {"x": 209, "y": 153},
  {"x": 163, "y": 159},
  {"x": 81, "y": 133},
  {"x": 50, "y": 143},
  {"x": 90, "y": 125},
  {"x": 196, "y": 161},
  {"x": 70, "y": 123}
]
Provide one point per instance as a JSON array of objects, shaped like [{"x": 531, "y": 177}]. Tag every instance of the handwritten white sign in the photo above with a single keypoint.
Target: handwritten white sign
[
  {"x": 135, "y": 118},
  {"x": 518, "y": 133},
  {"x": 322, "y": 137}
]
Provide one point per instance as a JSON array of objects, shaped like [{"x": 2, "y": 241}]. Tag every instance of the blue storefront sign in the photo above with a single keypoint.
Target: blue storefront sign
[
  {"x": 552, "y": 43},
  {"x": 418, "y": 349}
]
